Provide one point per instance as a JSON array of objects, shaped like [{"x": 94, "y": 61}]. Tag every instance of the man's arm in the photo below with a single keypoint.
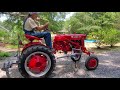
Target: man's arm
[
  {"x": 42, "y": 27},
  {"x": 37, "y": 27}
]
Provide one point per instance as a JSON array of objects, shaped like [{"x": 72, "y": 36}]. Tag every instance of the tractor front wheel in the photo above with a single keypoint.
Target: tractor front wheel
[{"x": 91, "y": 62}]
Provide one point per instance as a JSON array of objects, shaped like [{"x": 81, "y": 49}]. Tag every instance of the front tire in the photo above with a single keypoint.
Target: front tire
[
  {"x": 36, "y": 62},
  {"x": 91, "y": 63}
]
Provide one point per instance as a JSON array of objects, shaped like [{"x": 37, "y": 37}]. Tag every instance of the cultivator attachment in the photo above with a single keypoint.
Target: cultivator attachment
[
  {"x": 75, "y": 56},
  {"x": 7, "y": 66}
]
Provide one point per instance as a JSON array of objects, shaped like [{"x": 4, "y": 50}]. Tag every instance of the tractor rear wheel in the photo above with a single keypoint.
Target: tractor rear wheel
[{"x": 36, "y": 62}]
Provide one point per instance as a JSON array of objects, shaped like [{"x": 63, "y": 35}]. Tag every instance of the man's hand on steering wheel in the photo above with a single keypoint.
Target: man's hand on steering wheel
[{"x": 46, "y": 25}]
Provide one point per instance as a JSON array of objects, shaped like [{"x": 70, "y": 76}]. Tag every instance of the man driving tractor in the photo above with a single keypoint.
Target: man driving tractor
[{"x": 30, "y": 26}]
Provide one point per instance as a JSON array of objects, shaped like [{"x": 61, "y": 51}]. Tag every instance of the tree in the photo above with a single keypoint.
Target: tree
[
  {"x": 112, "y": 37},
  {"x": 81, "y": 22},
  {"x": 56, "y": 19},
  {"x": 14, "y": 23},
  {"x": 95, "y": 25}
]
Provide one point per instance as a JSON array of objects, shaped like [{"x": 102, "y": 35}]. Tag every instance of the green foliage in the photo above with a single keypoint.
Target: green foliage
[
  {"x": 112, "y": 37},
  {"x": 101, "y": 26},
  {"x": 105, "y": 36},
  {"x": 4, "y": 36},
  {"x": 87, "y": 22},
  {"x": 4, "y": 54},
  {"x": 54, "y": 18},
  {"x": 82, "y": 22},
  {"x": 98, "y": 36},
  {"x": 96, "y": 25}
]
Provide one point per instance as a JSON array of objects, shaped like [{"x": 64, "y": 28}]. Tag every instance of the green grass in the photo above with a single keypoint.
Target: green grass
[
  {"x": 4, "y": 54},
  {"x": 11, "y": 46}
]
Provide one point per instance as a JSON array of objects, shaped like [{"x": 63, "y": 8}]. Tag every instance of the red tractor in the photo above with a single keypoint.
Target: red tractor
[{"x": 38, "y": 61}]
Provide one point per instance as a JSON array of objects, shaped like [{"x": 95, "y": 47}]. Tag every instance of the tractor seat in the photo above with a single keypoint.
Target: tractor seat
[{"x": 31, "y": 38}]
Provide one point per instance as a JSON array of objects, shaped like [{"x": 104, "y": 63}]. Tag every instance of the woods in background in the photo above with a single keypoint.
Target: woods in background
[{"x": 101, "y": 26}]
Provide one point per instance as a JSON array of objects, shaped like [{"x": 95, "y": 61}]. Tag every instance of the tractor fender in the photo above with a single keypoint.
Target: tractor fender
[{"x": 32, "y": 44}]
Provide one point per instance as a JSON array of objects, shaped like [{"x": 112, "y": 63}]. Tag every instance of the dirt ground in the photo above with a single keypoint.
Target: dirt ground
[{"x": 109, "y": 65}]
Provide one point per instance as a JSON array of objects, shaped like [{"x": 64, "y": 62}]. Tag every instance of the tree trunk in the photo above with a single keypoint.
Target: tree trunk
[
  {"x": 111, "y": 46},
  {"x": 98, "y": 47}
]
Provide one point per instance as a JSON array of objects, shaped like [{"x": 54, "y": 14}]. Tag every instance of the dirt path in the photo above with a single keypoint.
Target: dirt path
[
  {"x": 109, "y": 67},
  {"x": 7, "y": 49}
]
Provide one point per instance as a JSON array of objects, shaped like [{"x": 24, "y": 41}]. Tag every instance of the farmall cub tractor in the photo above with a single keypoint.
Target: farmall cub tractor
[{"x": 37, "y": 61}]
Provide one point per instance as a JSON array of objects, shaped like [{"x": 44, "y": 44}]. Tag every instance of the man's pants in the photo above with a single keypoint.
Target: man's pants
[{"x": 46, "y": 35}]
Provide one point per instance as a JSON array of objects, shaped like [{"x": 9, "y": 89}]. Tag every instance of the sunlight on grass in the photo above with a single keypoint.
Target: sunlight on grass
[
  {"x": 11, "y": 46},
  {"x": 4, "y": 54}
]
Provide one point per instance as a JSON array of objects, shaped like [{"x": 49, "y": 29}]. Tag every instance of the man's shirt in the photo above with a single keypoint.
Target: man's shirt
[{"x": 30, "y": 24}]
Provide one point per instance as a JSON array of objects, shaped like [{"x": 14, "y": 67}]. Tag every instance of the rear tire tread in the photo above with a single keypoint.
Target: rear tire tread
[{"x": 30, "y": 50}]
